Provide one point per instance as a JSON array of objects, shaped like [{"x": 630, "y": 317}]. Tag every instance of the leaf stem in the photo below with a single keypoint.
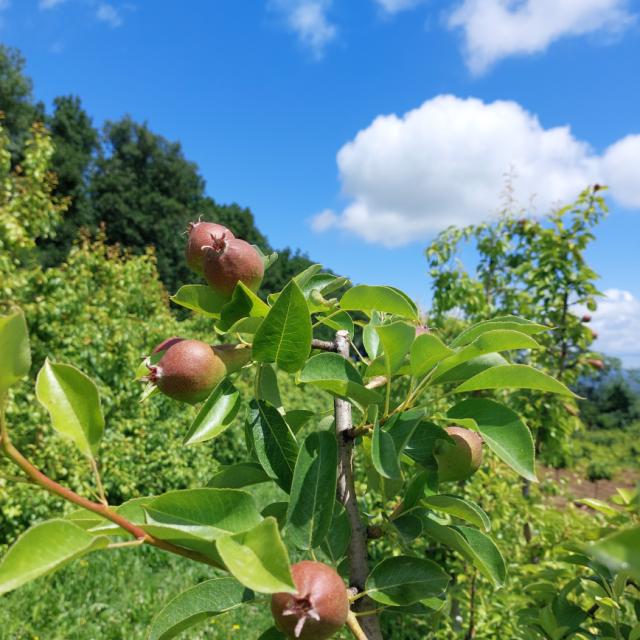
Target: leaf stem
[
  {"x": 67, "y": 494},
  {"x": 96, "y": 473}
]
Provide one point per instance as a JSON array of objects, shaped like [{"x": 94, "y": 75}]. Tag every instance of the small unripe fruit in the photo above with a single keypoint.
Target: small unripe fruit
[
  {"x": 318, "y": 609},
  {"x": 585, "y": 318},
  {"x": 187, "y": 371},
  {"x": 228, "y": 261},
  {"x": 199, "y": 236},
  {"x": 460, "y": 459},
  {"x": 595, "y": 363}
]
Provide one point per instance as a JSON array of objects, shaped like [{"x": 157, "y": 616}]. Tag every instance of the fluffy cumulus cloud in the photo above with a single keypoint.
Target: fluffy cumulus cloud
[
  {"x": 617, "y": 323},
  {"x": 494, "y": 29},
  {"x": 309, "y": 21},
  {"x": 407, "y": 177}
]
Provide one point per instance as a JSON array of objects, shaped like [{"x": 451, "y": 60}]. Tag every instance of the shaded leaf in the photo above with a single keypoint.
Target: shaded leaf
[
  {"x": 313, "y": 490},
  {"x": 243, "y": 304},
  {"x": 403, "y": 580},
  {"x": 619, "y": 551},
  {"x": 274, "y": 444},
  {"x": 239, "y": 475},
  {"x": 15, "y": 352}
]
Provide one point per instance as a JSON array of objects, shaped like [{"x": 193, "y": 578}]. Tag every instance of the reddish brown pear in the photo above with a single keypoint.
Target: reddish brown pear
[
  {"x": 228, "y": 261},
  {"x": 318, "y": 609},
  {"x": 187, "y": 371},
  {"x": 199, "y": 236},
  {"x": 460, "y": 459}
]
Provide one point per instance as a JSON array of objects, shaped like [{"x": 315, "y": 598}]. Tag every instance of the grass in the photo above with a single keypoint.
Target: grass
[{"x": 114, "y": 596}]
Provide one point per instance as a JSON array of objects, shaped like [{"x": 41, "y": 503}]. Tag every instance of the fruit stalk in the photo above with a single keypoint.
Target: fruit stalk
[{"x": 358, "y": 556}]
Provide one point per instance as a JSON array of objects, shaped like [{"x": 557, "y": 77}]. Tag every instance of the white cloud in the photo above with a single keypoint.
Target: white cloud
[
  {"x": 49, "y": 4},
  {"x": 308, "y": 20},
  {"x": 395, "y": 6},
  {"x": 617, "y": 323},
  {"x": 621, "y": 170},
  {"x": 445, "y": 163},
  {"x": 109, "y": 14},
  {"x": 495, "y": 29}
]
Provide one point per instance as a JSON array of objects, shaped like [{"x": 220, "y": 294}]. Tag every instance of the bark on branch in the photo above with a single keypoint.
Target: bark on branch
[{"x": 358, "y": 556}]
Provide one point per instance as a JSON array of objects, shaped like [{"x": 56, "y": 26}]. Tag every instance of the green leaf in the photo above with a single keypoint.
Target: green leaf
[
  {"x": 396, "y": 339},
  {"x": 258, "y": 558},
  {"x": 15, "y": 353},
  {"x": 403, "y": 580},
  {"x": 217, "y": 413},
  {"x": 471, "y": 368},
  {"x": 200, "y": 298},
  {"x": 379, "y": 298},
  {"x": 619, "y": 551},
  {"x": 196, "y": 604},
  {"x": 297, "y": 418},
  {"x": 489, "y": 342},
  {"x": 426, "y": 351},
  {"x": 504, "y": 432},
  {"x": 421, "y": 445},
  {"x": 313, "y": 490},
  {"x": 266, "y": 386},
  {"x": 370, "y": 337},
  {"x": 478, "y": 548},
  {"x": 274, "y": 444},
  {"x": 460, "y": 508},
  {"x": 72, "y": 400},
  {"x": 402, "y": 426},
  {"x": 204, "y": 513},
  {"x": 514, "y": 376},
  {"x": 335, "y": 374},
  {"x": 44, "y": 549},
  {"x": 284, "y": 337},
  {"x": 272, "y": 633},
  {"x": 340, "y": 321},
  {"x": 239, "y": 475},
  {"x": 243, "y": 304},
  {"x": 267, "y": 260},
  {"x": 512, "y": 323},
  {"x": 337, "y": 541},
  {"x": 383, "y": 453}
]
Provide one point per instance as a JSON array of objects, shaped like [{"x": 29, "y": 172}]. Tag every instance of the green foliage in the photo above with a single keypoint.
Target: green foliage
[{"x": 534, "y": 269}]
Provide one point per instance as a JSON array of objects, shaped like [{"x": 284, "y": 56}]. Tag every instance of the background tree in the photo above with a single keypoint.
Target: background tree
[
  {"x": 16, "y": 100},
  {"x": 534, "y": 268},
  {"x": 76, "y": 143}
]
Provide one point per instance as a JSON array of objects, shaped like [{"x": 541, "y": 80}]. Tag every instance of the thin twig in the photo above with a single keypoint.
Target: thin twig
[
  {"x": 71, "y": 496},
  {"x": 323, "y": 345}
]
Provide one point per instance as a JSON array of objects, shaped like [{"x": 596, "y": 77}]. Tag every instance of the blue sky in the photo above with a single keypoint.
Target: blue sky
[{"x": 356, "y": 129}]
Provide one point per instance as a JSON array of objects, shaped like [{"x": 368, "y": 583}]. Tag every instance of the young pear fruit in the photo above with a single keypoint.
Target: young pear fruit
[
  {"x": 199, "y": 236},
  {"x": 460, "y": 459},
  {"x": 187, "y": 371},
  {"x": 228, "y": 261},
  {"x": 318, "y": 609}
]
